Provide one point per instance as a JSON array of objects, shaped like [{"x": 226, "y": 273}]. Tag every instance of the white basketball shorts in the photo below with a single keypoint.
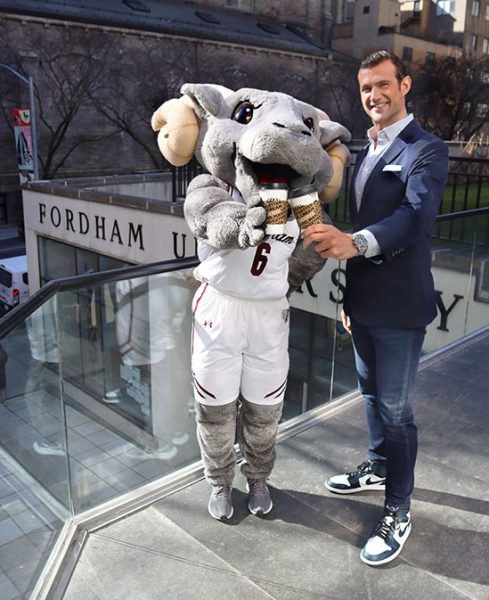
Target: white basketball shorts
[{"x": 239, "y": 346}]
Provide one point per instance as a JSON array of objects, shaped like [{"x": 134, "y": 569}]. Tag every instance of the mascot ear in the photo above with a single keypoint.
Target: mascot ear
[
  {"x": 178, "y": 128},
  {"x": 331, "y": 136},
  {"x": 207, "y": 97}
]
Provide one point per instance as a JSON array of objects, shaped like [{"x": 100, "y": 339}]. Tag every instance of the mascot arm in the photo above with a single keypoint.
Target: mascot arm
[
  {"x": 304, "y": 263},
  {"x": 213, "y": 216}
]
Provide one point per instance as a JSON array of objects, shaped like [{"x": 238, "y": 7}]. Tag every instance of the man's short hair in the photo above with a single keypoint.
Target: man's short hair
[{"x": 379, "y": 56}]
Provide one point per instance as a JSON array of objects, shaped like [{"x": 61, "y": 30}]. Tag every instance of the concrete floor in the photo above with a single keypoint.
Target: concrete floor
[{"x": 308, "y": 547}]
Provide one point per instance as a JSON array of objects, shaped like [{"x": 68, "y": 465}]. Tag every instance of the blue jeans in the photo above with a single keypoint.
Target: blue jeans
[{"x": 387, "y": 362}]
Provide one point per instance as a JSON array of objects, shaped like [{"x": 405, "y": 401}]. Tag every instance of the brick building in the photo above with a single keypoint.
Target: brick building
[{"x": 100, "y": 70}]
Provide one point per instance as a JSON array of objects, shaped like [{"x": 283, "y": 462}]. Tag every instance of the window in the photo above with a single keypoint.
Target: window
[
  {"x": 244, "y": 5},
  {"x": 476, "y": 8},
  {"x": 5, "y": 278},
  {"x": 487, "y": 12},
  {"x": 473, "y": 42},
  {"x": 407, "y": 54},
  {"x": 445, "y": 7},
  {"x": 366, "y": 10},
  {"x": 482, "y": 111},
  {"x": 485, "y": 46},
  {"x": 430, "y": 58}
]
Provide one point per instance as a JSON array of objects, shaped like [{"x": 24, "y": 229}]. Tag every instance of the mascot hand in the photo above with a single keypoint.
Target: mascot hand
[
  {"x": 214, "y": 217},
  {"x": 250, "y": 230}
]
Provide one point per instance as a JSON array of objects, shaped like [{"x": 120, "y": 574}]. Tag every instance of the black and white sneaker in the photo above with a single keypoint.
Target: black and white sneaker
[
  {"x": 370, "y": 475},
  {"x": 388, "y": 537}
]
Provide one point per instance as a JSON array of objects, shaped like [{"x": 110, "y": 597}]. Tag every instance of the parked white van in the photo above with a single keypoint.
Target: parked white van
[{"x": 14, "y": 281}]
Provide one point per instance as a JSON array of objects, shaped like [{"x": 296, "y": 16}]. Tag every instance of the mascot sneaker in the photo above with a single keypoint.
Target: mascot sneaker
[
  {"x": 259, "y": 499},
  {"x": 220, "y": 503},
  {"x": 388, "y": 537},
  {"x": 370, "y": 475}
]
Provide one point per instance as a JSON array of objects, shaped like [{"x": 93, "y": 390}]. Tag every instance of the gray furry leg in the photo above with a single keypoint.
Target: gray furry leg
[
  {"x": 216, "y": 432},
  {"x": 257, "y": 434}
]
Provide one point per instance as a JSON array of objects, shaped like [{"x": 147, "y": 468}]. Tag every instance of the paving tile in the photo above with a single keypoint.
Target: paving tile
[
  {"x": 7, "y": 589},
  {"x": 92, "y": 456},
  {"x": 28, "y": 521},
  {"x": 184, "y": 571},
  {"x": 464, "y": 448},
  {"x": 75, "y": 418},
  {"x": 462, "y": 397},
  {"x": 295, "y": 550},
  {"x": 9, "y": 530},
  {"x": 103, "y": 437},
  {"x": 126, "y": 480},
  {"x": 117, "y": 447},
  {"x": 108, "y": 467},
  {"x": 21, "y": 575},
  {"x": 80, "y": 445},
  {"x": 17, "y": 552},
  {"x": 88, "y": 428},
  {"x": 152, "y": 469}
]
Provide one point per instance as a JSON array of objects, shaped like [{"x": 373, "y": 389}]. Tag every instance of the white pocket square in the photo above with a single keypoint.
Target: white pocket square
[{"x": 392, "y": 168}]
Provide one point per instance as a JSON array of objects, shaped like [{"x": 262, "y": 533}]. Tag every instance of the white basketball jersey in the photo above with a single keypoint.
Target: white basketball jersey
[{"x": 257, "y": 273}]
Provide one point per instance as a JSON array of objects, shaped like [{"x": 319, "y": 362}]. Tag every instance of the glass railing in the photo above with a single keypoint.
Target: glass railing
[
  {"x": 461, "y": 273},
  {"x": 97, "y": 398},
  {"x": 34, "y": 487},
  {"x": 96, "y": 401}
]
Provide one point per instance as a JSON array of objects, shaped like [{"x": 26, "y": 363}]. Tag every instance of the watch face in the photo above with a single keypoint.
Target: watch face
[{"x": 361, "y": 243}]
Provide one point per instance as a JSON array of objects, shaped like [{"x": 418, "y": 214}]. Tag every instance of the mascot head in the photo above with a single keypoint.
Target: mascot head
[{"x": 251, "y": 136}]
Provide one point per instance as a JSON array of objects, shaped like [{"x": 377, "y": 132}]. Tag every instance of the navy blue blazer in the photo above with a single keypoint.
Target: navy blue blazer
[{"x": 399, "y": 206}]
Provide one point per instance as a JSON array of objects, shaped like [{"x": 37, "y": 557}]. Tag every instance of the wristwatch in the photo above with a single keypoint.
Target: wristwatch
[{"x": 360, "y": 242}]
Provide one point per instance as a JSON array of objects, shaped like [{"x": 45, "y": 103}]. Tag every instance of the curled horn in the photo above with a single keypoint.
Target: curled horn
[
  {"x": 178, "y": 128},
  {"x": 339, "y": 156},
  {"x": 178, "y": 124}
]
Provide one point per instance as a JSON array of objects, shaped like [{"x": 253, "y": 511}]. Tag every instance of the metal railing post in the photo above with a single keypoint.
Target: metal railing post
[{"x": 32, "y": 102}]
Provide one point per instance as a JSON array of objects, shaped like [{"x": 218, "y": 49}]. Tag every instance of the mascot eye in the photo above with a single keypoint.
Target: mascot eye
[
  {"x": 309, "y": 123},
  {"x": 243, "y": 113}
]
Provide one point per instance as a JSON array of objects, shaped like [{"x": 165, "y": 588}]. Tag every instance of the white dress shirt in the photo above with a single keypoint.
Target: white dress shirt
[{"x": 379, "y": 143}]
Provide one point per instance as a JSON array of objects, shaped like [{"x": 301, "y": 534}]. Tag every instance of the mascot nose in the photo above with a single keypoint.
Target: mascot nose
[{"x": 303, "y": 131}]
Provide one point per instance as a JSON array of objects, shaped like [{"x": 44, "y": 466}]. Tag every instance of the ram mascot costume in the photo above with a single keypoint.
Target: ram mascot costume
[{"x": 240, "y": 331}]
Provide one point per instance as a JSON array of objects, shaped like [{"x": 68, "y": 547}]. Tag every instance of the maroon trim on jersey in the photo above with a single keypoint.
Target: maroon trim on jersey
[
  {"x": 193, "y": 320},
  {"x": 199, "y": 388},
  {"x": 279, "y": 391},
  {"x": 199, "y": 299}
]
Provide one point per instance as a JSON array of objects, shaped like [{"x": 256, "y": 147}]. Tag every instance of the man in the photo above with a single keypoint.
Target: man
[{"x": 396, "y": 191}]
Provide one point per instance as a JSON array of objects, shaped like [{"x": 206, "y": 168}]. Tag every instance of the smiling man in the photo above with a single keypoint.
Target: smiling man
[{"x": 395, "y": 195}]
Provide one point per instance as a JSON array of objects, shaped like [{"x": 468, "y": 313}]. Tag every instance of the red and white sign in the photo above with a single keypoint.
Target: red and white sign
[{"x": 23, "y": 143}]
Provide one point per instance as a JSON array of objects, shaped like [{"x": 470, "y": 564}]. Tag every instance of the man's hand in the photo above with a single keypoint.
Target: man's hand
[{"x": 330, "y": 242}]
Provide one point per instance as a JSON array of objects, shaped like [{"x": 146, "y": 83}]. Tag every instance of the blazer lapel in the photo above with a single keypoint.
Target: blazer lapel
[
  {"x": 397, "y": 146},
  {"x": 353, "y": 202}
]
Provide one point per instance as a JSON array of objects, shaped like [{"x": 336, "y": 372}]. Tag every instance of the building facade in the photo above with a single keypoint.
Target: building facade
[
  {"x": 417, "y": 30},
  {"x": 100, "y": 71}
]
